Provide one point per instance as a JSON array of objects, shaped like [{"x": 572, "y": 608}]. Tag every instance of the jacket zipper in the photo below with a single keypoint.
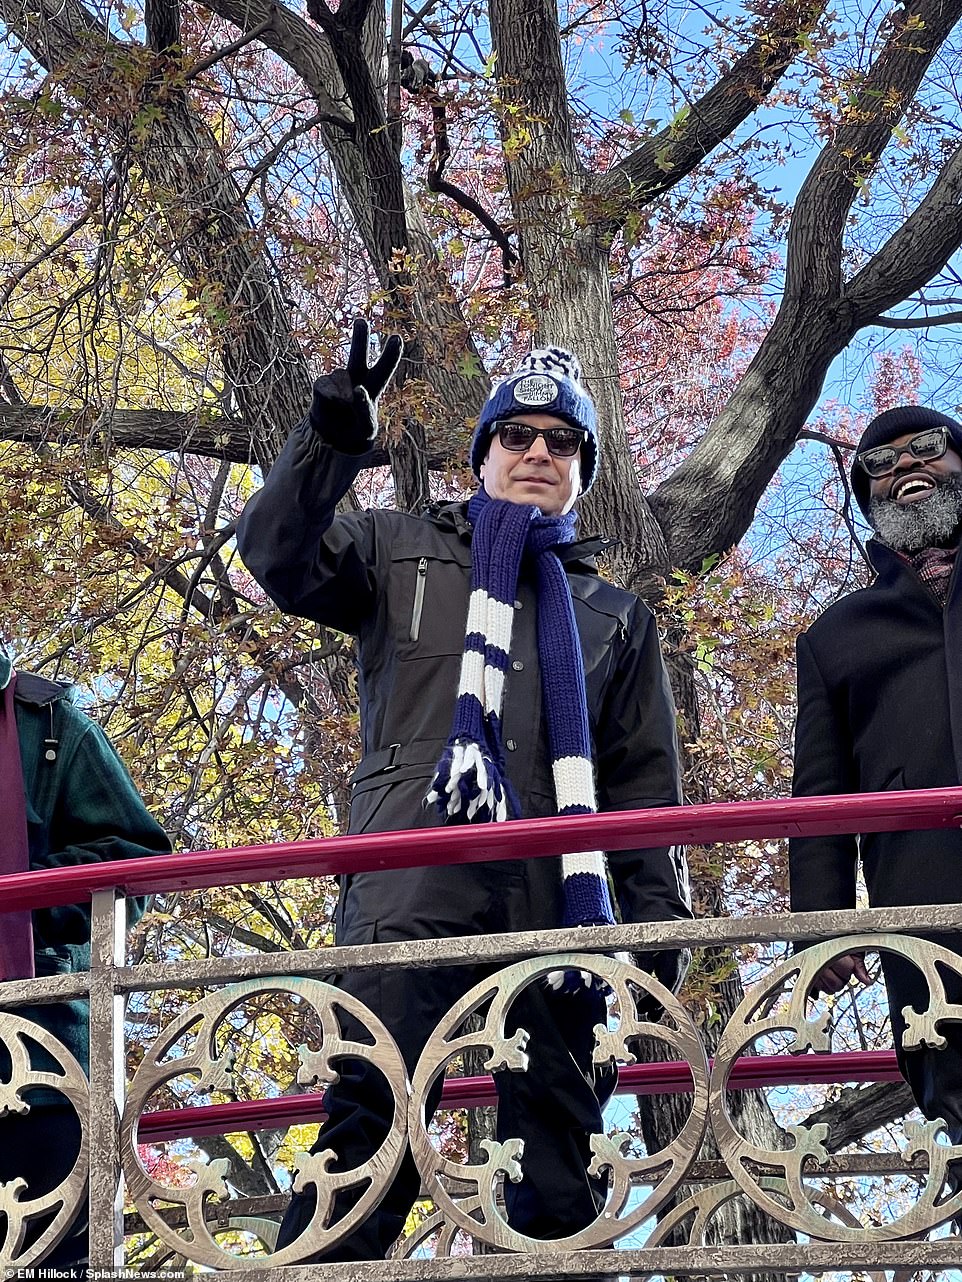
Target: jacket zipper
[{"x": 418, "y": 598}]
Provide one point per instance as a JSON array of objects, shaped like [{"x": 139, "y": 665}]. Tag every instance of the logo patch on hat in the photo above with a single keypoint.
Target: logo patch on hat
[{"x": 535, "y": 389}]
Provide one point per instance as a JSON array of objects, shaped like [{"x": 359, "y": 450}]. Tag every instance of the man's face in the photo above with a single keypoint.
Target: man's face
[
  {"x": 913, "y": 480},
  {"x": 919, "y": 503},
  {"x": 535, "y": 476}
]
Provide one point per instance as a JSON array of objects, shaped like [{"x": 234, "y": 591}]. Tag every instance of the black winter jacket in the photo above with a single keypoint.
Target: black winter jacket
[
  {"x": 880, "y": 707},
  {"x": 400, "y": 584}
]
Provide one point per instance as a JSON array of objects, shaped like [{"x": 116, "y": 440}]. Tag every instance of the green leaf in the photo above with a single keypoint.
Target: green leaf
[{"x": 679, "y": 119}]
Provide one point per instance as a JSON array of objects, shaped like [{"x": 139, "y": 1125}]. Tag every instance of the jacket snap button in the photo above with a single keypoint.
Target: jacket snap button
[
  {"x": 510, "y": 745},
  {"x": 517, "y": 605},
  {"x": 518, "y": 665}
]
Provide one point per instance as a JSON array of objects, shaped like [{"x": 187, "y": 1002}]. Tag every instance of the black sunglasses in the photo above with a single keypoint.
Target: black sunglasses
[
  {"x": 562, "y": 442},
  {"x": 925, "y": 446}
]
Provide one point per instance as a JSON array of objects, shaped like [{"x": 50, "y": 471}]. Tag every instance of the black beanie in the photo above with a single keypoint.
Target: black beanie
[{"x": 886, "y": 427}]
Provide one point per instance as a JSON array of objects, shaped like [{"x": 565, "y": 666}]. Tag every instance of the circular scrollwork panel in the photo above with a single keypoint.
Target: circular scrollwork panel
[
  {"x": 448, "y": 1238},
  {"x": 466, "y": 1195},
  {"x": 701, "y": 1207},
  {"x": 767, "y": 1010},
  {"x": 215, "y": 1072},
  {"x": 17, "y": 1203}
]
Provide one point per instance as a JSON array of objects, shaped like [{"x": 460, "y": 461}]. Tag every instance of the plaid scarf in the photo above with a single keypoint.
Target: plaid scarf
[
  {"x": 471, "y": 784},
  {"x": 934, "y": 567}
]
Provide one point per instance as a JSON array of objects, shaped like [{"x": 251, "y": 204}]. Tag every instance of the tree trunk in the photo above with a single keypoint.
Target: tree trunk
[{"x": 662, "y": 1117}]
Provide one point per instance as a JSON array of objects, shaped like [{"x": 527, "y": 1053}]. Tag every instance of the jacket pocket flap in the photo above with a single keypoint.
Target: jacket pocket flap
[
  {"x": 415, "y": 547},
  {"x": 398, "y": 759}
]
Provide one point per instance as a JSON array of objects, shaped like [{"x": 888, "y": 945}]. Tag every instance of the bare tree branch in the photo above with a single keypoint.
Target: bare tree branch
[
  {"x": 915, "y": 253},
  {"x": 917, "y": 322},
  {"x": 708, "y": 502},
  {"x": 859, "y": 1110},
  {"x": 668, "y": 156},
  {"x": 233, "y": 931},
  {"x": 209, "y": 224},
  {"x": 168, "y": 431},
  {"x": 227, "y": 50},
  {"x": 837, "y": 447},
  {"x": 437, "y": 183}
]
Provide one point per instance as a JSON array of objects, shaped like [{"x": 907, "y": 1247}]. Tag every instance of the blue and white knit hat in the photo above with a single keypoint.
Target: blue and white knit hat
[{"x": 548, "y": 381}]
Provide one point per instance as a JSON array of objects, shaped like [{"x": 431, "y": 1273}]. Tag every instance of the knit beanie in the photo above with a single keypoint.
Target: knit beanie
[
  {"x": 886, "y": 427},
  {"x": 548, "y": 381}
]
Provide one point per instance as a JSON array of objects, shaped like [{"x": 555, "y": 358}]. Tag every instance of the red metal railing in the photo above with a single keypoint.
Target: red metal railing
[
  {"x": 524, "y": 838},
  {"x": 671, "y": 1078},
  {"x": 520, "y": 839}
]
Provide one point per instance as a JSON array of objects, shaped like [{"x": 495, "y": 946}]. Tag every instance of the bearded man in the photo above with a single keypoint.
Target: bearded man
[{"x": 880, "y": 708}]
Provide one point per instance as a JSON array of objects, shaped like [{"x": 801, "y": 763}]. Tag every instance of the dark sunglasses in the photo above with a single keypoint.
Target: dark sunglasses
[
  {"x": 926, "y": 446},
  {"x": 562, "y": 442}
]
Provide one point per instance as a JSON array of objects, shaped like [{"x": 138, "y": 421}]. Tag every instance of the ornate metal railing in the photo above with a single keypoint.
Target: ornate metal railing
[{"x": 652, "y": 1198}]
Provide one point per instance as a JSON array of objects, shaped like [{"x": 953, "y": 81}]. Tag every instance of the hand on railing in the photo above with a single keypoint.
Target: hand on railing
[{"x": 834, "y": 977}]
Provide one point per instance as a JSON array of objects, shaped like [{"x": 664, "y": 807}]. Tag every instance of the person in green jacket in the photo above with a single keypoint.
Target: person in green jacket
[{"x": 65, "y": 799}]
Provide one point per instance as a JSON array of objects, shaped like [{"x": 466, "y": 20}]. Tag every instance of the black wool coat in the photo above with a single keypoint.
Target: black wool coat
[
  {"x": 879, "y": 708},
  {"x": 400, "y": 584}
]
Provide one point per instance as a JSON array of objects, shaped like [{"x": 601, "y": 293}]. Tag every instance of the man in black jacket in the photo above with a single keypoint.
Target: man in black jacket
[
  {"x": 433, "y": 693},
  {"x": 880, "y": 707}
]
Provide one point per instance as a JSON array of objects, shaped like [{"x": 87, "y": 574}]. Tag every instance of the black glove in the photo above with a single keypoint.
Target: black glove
[
  {"x": 667, "y": 966},
  {"x": 344, "y": 406}
]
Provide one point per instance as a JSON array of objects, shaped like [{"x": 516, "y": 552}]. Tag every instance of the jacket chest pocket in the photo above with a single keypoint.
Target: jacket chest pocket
[
  {"x": 602, "y": 637},
  {"x": 429, "y": 604}
]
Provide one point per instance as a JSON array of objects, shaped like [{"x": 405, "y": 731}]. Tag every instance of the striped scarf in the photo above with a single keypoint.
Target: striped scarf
[{"x": 471, "y": 784}]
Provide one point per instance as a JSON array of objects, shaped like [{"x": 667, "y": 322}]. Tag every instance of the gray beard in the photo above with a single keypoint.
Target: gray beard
[{"x": 928, "y": 523}]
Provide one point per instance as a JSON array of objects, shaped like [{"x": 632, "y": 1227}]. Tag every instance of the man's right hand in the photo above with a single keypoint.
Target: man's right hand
[
  {"x": 833, "y": 977},
  {"x": 344, "y": 406}
]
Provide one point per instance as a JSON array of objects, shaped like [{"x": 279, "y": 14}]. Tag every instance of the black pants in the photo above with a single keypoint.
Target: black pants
[
  {"x": 41, "y": 1147},
  {"x": 554, "y": 1107}
]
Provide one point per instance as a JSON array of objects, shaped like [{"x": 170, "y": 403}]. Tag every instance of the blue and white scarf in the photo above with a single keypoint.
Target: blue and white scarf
[{"x": 471, "y": 784}]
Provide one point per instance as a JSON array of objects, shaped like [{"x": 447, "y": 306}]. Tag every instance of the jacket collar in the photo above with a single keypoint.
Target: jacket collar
[
  {"x": 31, "y": 688},
  {"x": 454, "y": 518},
  {"x": 38, "y": 690},
  {"x": 885, "y": 561}
]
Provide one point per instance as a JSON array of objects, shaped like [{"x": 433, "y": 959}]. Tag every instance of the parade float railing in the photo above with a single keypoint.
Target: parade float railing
[{"x": 647, "y": 1204}]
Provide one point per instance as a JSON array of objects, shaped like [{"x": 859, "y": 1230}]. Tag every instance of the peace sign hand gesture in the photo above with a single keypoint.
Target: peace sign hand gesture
[{"x": 344, "y": 406}]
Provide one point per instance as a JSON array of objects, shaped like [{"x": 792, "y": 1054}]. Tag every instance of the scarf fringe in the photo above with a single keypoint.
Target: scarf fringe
[
  {"x": 573, "y": 981},
  {"x": 468, "y": 785}
]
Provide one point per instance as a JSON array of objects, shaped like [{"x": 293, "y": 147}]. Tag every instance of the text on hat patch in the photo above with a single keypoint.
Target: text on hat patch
[{"x": 536, "y": 389}]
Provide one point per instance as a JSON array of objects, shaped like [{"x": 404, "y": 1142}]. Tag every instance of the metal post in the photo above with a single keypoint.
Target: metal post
[{"x": 107, "y": 1076}]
